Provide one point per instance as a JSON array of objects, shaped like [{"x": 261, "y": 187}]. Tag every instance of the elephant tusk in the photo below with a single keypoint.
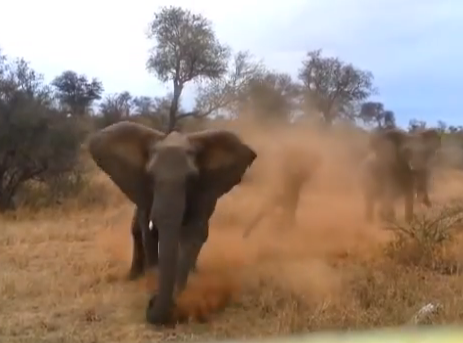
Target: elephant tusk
[{"x": 150, "y": 225}]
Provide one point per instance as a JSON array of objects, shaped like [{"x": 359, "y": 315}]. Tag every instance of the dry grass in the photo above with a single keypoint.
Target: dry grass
[{"x": 62, "y": 272}]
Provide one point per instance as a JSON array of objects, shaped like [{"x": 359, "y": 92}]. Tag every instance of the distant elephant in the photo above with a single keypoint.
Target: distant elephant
[
  {"x": 399, "y": 165},
  {"x": 295, "y": 174},
  {"x": 175, "y": 181}
]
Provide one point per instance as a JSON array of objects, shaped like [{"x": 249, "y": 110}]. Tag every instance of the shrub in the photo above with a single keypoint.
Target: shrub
[
  {"x": 37, "y": 141},
  {"x": 425, "y": 241}
]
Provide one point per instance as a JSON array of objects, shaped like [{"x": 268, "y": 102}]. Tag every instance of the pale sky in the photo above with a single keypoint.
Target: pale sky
[{"x": 414, "y": 48}]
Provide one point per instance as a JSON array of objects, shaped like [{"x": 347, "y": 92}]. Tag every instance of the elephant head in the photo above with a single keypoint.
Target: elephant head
[
  {"x": 404, "y": 159},
  {"x": 169, "y": 176},
  {"x": 411, "y": 150}
]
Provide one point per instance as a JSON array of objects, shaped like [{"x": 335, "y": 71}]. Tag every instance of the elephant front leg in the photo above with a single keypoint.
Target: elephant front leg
[
  {"x": 150, "y": 239},
  {"x": 190, "y": 248},
  {"x": 138, "y": 258},
  {"x": 189, "y": 252},
  {"x": 151, "y": 246},
  {"x": 409, "y": 195}
]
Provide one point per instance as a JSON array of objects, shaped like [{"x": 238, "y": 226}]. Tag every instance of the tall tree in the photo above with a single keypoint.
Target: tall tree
[
  {"x": 270, "y": 97},
  {"x": 332, "y": 85},
  {"x": 76, "y": 93},
  {"x": 185, "y": 49},
  {"x": 226, "y": 92}
]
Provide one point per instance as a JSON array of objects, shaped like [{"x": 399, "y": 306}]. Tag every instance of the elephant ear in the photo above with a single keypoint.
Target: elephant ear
[
  {"x": 122, "y": 151},
  {"x": 222, "y": 159}
]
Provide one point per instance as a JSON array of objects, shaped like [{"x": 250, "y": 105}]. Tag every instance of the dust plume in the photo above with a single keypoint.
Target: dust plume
[{"x": 328, "y": 222}]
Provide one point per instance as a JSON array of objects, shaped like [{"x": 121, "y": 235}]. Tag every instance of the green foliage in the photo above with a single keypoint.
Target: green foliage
[
  {"x": 37, "y": 142},
  {"x": 75, "y": 92},
  {"x": 332, "y": 86},
  {"x": 185, "y": 48}
]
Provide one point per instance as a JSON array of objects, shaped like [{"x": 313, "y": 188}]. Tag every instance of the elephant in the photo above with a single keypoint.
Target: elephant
[
  {"x": 295, "y": 176},
  {"x": 175, "y": 181},
  {"x": 398, "y": 165}
]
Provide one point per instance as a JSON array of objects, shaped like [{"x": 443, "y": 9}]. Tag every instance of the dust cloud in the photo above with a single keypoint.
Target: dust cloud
[{"x": 302, "y": 258}]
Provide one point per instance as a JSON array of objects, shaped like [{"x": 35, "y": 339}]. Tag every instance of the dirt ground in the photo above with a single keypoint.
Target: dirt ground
[{"x": 62, "y": 271}]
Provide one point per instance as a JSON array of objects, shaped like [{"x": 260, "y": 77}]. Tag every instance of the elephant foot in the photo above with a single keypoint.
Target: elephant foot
[{"x": 154, "y": 316}]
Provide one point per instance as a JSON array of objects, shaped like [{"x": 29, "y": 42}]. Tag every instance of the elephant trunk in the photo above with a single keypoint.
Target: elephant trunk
[{"x": 166, "y": 213}]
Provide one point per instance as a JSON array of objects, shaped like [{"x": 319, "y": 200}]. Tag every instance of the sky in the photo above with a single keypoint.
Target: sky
[{"x": 412, "y": 47}]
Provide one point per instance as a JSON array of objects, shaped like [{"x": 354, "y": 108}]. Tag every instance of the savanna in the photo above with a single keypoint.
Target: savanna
[{"x": 310, "y": 261}]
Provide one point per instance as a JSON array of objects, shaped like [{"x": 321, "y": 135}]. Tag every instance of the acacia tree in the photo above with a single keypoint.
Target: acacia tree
[
  {"x": 333, "y": 86},
  {"x": 75, "y": 92},
  {"x": 185, "y": 49}
]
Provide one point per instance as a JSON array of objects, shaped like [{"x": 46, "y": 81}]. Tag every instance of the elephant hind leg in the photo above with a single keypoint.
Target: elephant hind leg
[{"x": 409, "y": 205}]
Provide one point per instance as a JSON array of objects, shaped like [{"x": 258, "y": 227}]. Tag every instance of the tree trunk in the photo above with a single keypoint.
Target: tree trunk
[{"x": 174, "y": 106}]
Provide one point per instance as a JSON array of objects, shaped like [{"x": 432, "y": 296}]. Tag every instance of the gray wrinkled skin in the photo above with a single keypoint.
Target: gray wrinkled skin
[{"x": 175, "y": 181}]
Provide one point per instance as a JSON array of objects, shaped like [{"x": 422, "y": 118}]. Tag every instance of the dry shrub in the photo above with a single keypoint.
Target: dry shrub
[
  {"x": 426, "y": 241},
  {"x": 76, "y": 190}
]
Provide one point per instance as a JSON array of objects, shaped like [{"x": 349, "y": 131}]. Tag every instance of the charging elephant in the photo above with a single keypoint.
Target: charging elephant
[
  {"x": 399, "y": 165},
  {"x": 175, "y": 181}
]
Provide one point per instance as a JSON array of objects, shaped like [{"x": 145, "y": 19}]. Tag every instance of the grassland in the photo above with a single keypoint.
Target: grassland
[{"x": 62, "y": 270}]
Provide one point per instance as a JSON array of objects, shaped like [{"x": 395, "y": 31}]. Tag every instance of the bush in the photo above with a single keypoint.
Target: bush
[
  {"x": 425, "y": 241},
  {"x": 37, "y": 141}
]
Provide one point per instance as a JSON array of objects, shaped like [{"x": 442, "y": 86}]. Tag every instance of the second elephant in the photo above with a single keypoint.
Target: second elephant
[{"x": 399, "y": 166}]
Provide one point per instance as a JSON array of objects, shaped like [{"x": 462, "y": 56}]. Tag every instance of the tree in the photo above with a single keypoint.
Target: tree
[
  {"x": 225, "y": 93},
  {"x": 185, "y": 49},
  {"x": 374, "y": 112},
  {"x": 415, "y": 125},
  {"x": 270, "y": 97},
  {"x": 76, "y": 93},
  {"x": 442, "y": 126},
  {"x": 332, "y": 85},
  {"x": 37, "y": 142},
  {"x": 144, "y": 105},
  {"x": 115, "y": 107}
]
